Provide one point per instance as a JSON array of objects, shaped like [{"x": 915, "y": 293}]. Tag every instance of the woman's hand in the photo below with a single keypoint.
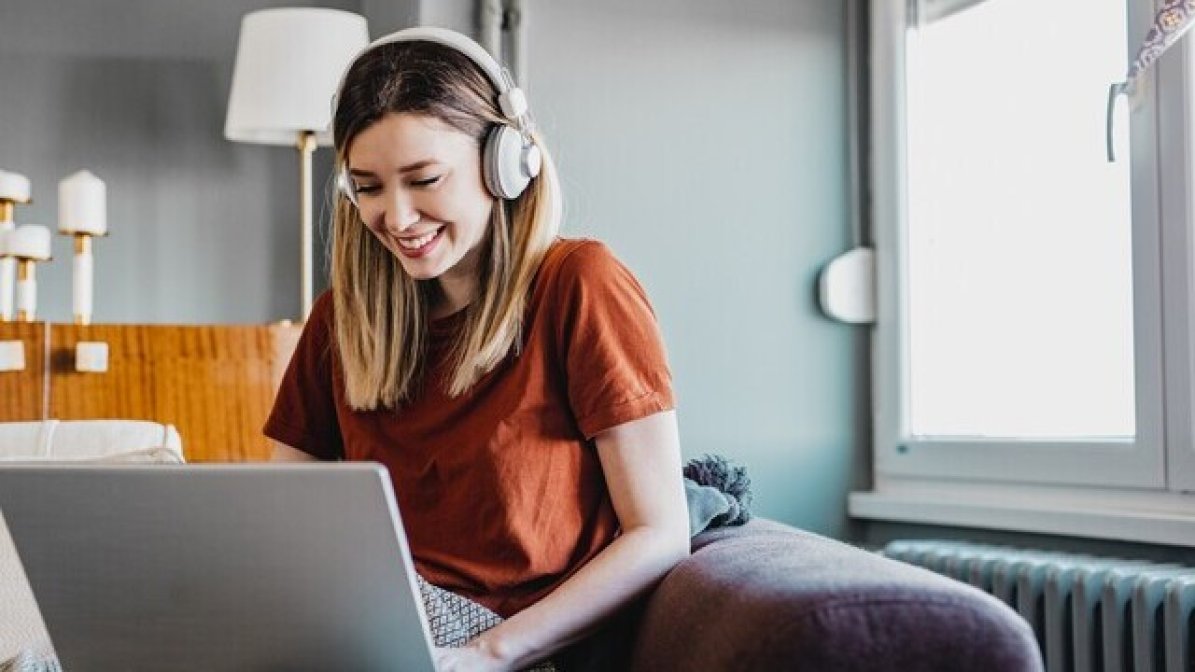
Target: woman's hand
[{"x": 470, "y": 658}]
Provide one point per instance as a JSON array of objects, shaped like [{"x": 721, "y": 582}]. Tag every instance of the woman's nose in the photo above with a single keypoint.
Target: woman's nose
[{"x": 401, "y": 212}]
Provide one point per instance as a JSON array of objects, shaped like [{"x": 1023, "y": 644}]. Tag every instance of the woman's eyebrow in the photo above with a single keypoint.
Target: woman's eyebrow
[
  {"x": 416, "y": 166},
  {"x": 405, "y": 169}
]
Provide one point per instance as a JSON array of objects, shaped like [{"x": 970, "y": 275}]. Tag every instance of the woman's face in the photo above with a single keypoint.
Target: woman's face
[{"x": 420, "y": 191}]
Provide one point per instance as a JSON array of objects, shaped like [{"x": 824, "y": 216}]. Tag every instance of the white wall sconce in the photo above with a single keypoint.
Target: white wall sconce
[
  {"x": 12, "y": 356},
  {"x": 91, "y": 357}
]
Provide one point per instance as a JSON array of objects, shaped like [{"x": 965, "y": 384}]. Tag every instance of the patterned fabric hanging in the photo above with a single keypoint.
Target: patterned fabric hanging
[{"x": 1171, "y": 22}]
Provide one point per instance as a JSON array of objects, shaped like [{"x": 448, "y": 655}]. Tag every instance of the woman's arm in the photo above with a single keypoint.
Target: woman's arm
[
  {"x": 642, "y": 465},
  {"x": 284, "y": 453}
]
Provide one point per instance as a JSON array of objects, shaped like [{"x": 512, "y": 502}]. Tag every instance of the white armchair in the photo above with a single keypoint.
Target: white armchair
[{"x": 75, "y": 441}]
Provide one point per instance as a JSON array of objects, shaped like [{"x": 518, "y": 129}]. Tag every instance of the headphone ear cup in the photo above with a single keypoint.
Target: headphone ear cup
[{"x": 503, "y": 165}]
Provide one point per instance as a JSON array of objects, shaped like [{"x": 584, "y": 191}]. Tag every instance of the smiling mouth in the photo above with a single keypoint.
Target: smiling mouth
[
  {"x": 421, "y": 246},
  {"x": 416, "y": 243}
]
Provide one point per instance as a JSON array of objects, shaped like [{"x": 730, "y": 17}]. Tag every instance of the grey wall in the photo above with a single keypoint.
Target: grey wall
[
  {"x": 202, "y": 229},
  {"x": 386, "y": 16},
  {"x": 703, "y": 140}
]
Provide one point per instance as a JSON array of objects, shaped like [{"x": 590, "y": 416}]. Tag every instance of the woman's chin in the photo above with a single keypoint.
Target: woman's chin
[
  {"x": 422, "y": 271},
  {"x": 420, "y": 268}
]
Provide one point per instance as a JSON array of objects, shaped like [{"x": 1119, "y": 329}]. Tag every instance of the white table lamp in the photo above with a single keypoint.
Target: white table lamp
[{"x": 289, "y": 62}]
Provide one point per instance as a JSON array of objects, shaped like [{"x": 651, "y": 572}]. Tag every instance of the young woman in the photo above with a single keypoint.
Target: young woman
[{"x": 514, "y": 383}]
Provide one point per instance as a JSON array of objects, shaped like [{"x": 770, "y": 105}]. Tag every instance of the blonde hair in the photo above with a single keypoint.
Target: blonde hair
[{"x": 381, "y": 312}]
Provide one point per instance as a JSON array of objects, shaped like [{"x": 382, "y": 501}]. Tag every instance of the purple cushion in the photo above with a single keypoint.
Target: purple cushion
[{"x": 765, "y": 596}]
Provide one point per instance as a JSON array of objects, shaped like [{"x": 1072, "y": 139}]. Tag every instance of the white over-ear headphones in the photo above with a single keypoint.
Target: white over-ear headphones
[{"x": 510, "y": 159}]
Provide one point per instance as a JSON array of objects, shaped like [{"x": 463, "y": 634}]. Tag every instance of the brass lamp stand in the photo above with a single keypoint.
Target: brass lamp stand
[{"x": 306, "y": 146}]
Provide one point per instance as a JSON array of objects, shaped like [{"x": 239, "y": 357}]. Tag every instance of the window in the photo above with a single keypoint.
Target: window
[
  {"x": 1031, "y": 293},
  {"x": 1019, "y": 230}
]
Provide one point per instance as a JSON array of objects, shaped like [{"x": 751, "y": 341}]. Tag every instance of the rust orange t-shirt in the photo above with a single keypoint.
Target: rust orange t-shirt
[{"x": 500, "y": 489}]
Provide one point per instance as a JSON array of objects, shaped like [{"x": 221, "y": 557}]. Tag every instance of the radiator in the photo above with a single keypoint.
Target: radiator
[{"x": 1090, "y": 614}]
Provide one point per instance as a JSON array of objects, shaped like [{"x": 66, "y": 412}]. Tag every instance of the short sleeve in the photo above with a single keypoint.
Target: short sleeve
[
  {"x": 614, "y": 357},
  {"x": 304, "y": 413}
]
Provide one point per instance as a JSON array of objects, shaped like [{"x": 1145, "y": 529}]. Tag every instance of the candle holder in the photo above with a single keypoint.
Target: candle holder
[
  {"x": 7, "y": 210},
  {"x": 82, "y": 214},
  {"x": 14, "y": 191}
]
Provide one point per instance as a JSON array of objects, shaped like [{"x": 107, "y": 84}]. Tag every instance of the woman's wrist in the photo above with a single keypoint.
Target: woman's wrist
[
  {"x": 515, "y": 643},
  {"x": 496, "y": 648}
]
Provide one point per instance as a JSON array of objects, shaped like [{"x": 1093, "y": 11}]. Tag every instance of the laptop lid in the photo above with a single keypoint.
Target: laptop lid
[{"x": 218, "y": 567}]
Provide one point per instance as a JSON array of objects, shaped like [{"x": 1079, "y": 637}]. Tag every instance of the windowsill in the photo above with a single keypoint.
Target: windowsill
[{"x": 1121, "y": 515}]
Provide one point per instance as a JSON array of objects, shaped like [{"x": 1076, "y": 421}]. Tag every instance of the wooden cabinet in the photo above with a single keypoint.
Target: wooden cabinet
[
  {"x": 215, "y": 384},
  {"x": 23, "y": 393}
]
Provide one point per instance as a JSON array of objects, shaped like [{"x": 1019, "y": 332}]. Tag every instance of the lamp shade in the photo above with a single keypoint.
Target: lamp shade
[{"x": 288, "y": 64}]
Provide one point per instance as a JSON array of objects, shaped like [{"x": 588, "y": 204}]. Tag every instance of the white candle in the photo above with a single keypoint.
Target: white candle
[
  {"x": 82, "y": 284},
  {"x": 83, "y": 204},
  {"x": 29, "y": 241},
  {"x": 14, "y": 187},
  {"x": 8, "y": 273}
]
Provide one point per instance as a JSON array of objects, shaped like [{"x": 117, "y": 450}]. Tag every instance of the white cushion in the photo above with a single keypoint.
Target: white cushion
[
  {"x": 21, "y": 626},
  {"x": 89, "y": 441}
]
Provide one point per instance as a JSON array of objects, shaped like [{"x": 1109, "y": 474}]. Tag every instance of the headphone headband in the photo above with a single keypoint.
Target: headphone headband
[
  {"x": 510, "y": 97},
  {"x": 455, "y": 40}
]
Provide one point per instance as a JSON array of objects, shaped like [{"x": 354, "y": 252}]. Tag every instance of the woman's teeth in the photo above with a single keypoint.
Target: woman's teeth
[{"x": 416, "y": 243}]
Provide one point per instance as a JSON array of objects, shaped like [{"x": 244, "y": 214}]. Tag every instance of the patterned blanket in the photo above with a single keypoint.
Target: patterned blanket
[{"x": 455, "y": 620}]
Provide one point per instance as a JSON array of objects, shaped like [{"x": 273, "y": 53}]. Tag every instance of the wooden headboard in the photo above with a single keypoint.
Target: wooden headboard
[{"x": 215, "y": 384}]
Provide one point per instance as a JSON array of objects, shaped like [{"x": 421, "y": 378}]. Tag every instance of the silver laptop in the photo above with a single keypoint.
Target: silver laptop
[{"x": 220, "y": 567}]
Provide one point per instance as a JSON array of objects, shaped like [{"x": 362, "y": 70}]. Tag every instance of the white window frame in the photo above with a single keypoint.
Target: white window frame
[
  {"x": 1111, "y": 489},
  {"x": 1176, "y": 120}
]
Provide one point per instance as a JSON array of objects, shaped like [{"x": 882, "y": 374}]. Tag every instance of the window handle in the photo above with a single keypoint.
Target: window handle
[
  {"x": 1173, "y": 20},
  {"x": 1114, "y": 91}
]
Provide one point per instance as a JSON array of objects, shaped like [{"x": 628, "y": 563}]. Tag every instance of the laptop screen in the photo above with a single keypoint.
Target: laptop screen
[{"x": 218, "y": 567}]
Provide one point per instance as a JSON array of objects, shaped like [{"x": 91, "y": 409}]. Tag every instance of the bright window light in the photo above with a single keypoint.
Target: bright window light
[{"x": 1020, "y": 232}]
